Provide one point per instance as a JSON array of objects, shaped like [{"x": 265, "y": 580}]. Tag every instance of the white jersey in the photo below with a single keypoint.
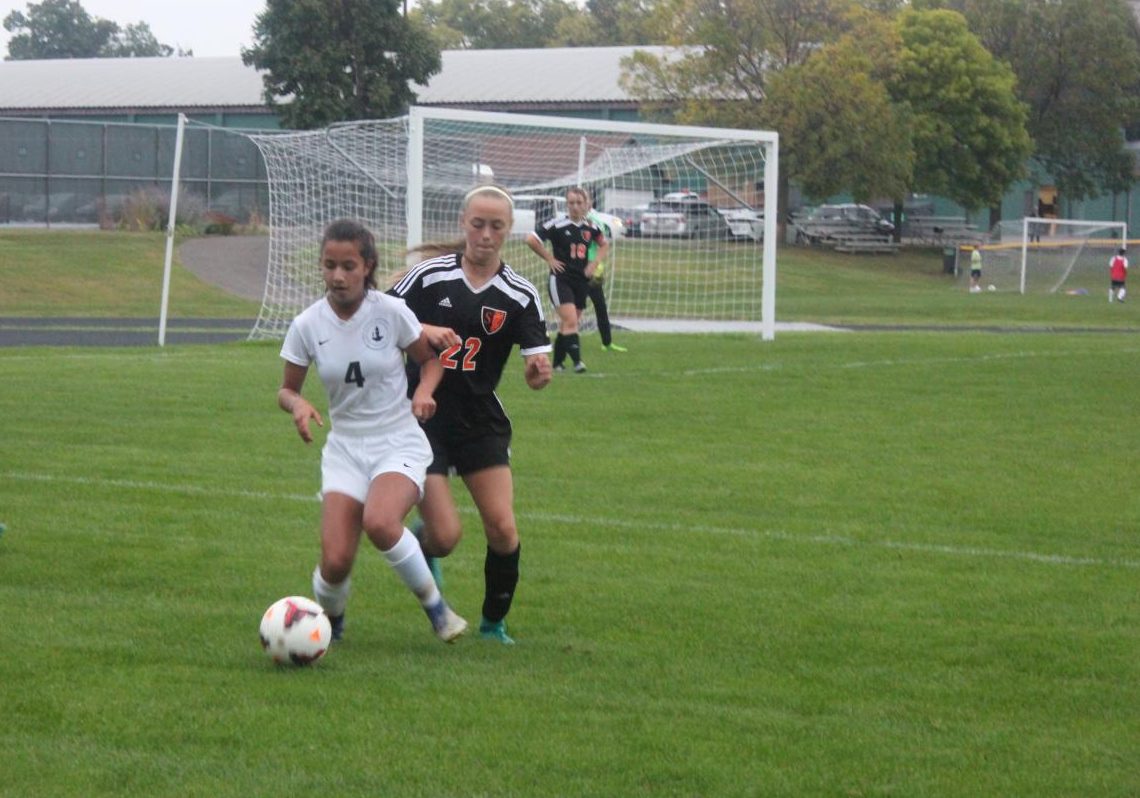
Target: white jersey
[{"x": 360, "y": 361}]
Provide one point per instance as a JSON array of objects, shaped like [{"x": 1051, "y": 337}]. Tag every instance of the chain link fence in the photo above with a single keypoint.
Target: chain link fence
[{"x": 70, "y": 173}]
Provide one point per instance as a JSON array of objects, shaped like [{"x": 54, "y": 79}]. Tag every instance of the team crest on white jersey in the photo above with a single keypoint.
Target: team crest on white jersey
[
  {"x": 375, "y": 333},
  {"x": 493, "y": 319}
]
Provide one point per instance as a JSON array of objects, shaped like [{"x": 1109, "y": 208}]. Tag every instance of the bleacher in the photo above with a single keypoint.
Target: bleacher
[
  {"x": 940, "y": 231},
  {"x": 842, "y": 236}
]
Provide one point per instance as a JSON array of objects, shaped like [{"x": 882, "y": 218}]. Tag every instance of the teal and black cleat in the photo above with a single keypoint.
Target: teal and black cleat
[{"x": 495, "y": 630}]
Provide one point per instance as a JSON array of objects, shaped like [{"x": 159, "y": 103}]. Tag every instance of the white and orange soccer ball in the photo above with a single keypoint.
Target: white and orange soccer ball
[{"x": 295, "y": 630}]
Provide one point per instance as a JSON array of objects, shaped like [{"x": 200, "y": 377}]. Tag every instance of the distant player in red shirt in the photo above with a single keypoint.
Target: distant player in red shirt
[{"x": 1118, "y": 273}]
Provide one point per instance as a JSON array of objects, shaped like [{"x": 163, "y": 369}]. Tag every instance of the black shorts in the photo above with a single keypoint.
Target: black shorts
[
  {"x": 975, "y": 273},
  {"x": 468, "y": 433},
  {"x": 1117, "y": 283},
  {"x": 565, "y": 290}
]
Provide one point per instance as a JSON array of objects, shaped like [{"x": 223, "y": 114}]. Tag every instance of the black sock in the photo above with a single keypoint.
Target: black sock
[
  {"x": 574, "y": 348},
  {"x": 559, "y": 349},
  {"x": 500, "y": 574}
]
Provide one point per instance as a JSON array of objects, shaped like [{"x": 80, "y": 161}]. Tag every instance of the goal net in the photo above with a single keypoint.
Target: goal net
[
  {"x": 1036, "y": 255},
  {"x": 406, "y": 177}
]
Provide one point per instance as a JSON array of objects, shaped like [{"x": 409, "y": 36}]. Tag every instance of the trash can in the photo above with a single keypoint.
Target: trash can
[{"x": 949, "y": 260}]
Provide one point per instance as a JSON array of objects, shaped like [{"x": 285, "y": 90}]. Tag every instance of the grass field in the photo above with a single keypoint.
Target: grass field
[{"x": 849, "y": 564}]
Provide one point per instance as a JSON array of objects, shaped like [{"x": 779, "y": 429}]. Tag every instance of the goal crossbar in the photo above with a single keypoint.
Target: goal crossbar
[{"x": 767, "y": 140}]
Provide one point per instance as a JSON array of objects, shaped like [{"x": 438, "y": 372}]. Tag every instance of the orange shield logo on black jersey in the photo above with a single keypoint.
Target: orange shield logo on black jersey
[{"x": 493, "y": 319}]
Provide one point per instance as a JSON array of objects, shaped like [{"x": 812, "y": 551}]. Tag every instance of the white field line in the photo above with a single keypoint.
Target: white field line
[
  {"x": 893, "y": 362},
  {"x": 600, "y": 522}
]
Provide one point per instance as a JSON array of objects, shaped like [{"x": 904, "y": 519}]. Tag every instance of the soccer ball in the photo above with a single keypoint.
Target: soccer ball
[
  {"x": 991, "y": 287},
  {"x": 295, "y": 630}
]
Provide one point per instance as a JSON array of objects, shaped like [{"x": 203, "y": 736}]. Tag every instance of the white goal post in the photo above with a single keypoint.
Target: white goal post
[
  {"x": 1037, "y": 255},
  {"x": 406, "y": 177},
  {"x": 1065, "y": 233}
]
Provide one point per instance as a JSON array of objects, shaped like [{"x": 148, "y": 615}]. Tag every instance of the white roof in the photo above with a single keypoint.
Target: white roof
[
  {"x": 551, "y": 75},
  {"x": 129, "y": 83}
]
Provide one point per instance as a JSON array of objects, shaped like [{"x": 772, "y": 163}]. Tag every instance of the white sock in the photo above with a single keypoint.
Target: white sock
[
  {"x": 332, "y": 597},
  {"x": 407, "y": 559},
  {"x": 1121, "y": 293}
]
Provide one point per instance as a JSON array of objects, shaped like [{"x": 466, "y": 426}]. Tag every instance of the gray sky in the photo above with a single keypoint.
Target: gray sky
[{"x": 208, "y": 27}]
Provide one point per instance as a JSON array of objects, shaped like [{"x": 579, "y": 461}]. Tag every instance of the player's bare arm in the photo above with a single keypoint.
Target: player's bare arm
[
  {"x": 290, "y": 400},
  {"x": 538, "y": 248},
  {"x": 431, "y": 372}
]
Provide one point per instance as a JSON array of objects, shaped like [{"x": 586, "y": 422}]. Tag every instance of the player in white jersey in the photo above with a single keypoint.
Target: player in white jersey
[{"x": 375, "y": 458}]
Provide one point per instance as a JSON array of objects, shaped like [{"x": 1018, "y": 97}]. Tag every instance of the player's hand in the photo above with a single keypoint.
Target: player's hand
[
  {"x": 440, "y": 338},
  {"x": 557, "y": 266},
  {"x": 538, "y": 372},
  {"x": 423, "y": 405},
  {"x": 302, "y": 413}
]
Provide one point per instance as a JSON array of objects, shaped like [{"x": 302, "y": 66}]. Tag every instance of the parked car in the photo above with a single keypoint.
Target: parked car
[
  {"x": 630, "y": 218},
  {"x": 683, "y": 218},
  {"x": 614, "y": 222},
  {"x": 853, "y": 214},
  {"x": 534, "y": 209}
]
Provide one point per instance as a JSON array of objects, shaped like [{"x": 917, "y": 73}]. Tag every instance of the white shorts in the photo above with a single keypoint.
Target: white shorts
[{"x": 349, "y": 463}]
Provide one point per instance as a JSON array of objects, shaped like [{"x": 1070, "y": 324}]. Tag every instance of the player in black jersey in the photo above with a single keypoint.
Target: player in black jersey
[
  {"x": 467, "y": 289},
  {"x": 571, "y": 268}
]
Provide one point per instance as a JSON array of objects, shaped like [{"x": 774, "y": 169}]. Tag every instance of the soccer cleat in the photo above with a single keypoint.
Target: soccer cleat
[
  {"x": 337, "y": 624},
  {"x": 446, "y": 623},
  {"x": 559, "y": 367},
  {"x": 495, "y": 630},
  {"x": 613, "y": 348},
  {"x": 579, "y": 367}
]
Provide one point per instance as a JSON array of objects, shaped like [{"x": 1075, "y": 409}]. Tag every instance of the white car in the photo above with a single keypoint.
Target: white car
[{"x": 533, "y": 209}]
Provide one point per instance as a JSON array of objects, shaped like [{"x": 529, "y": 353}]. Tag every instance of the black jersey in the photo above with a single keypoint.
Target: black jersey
[
  {"x": 570, "y": 241},
  {"x": 490, "y": 320}
]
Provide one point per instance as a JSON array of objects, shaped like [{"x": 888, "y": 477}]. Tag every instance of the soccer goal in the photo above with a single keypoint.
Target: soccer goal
[
  {"x": 1040, "y": 255},
  {"x": 406, "y": 177}
]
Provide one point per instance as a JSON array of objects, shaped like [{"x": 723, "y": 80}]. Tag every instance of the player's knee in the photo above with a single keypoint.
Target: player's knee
[
  {"x": 383, "y": 529},
  {"x": 502, "y": 534},
  {"x": 440, "y": 539},
  {"x": 336, "y": 566}
]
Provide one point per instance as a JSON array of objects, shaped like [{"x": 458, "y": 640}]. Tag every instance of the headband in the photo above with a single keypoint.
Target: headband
[{"x": 483, "y": 189}]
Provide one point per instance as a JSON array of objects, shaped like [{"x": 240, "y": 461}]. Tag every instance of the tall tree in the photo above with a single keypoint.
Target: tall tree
[
  {"x": 495, "y": 24},
  {"x": 728, "y": 52},
  {"x": 57, "y": 29},
  {"x": 138, "y": 41},
  {"x": 63, "y": 29},
  {"x": 839, "y": 130},
  {"x": 327, "y": 61},
  {"x": 1078, "y": 67},
  {"x": 970, "y": 139}
]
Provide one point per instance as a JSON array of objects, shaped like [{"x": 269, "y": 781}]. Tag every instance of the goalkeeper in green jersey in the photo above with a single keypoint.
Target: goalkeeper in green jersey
[{"x": 596, "y": 290}]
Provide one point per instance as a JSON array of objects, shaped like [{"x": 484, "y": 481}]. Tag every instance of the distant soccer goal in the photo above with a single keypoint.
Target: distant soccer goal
[
  {"x": 406, "y": 177},
  {"x": 1038, "y": 255}
]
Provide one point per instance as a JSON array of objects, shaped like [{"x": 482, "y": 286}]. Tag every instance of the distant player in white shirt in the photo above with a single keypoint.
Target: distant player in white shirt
[{"x": 376, "y": 455}]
